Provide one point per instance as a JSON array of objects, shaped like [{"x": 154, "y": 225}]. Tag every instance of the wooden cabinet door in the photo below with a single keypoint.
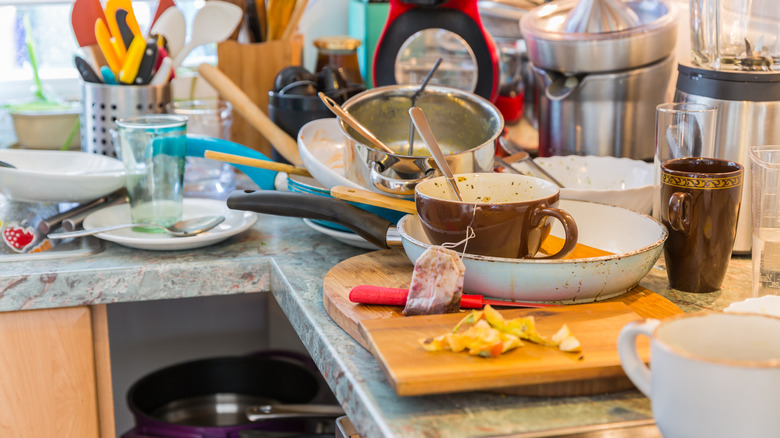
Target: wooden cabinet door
[{"x": 51, "y": 374}]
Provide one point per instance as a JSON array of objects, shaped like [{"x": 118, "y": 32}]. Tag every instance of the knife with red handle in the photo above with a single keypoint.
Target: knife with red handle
[{"x": 389, "y": 296}]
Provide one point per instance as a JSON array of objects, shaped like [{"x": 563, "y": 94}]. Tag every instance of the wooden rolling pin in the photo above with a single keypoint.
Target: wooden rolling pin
[
  {"x": 255, "y": 162},
  {"x": 551, "y": 244},
  {"x": 283, "y": 143}
]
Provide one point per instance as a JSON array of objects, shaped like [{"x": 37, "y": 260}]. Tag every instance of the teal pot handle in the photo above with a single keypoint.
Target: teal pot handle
[{"x": 197, "y": 145}]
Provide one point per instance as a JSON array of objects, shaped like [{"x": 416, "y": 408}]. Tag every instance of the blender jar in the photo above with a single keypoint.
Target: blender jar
[{"x": 736, "y": 35}]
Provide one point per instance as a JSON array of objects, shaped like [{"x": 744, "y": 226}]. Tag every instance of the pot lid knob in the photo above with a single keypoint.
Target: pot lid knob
[{"x": 598, "y": 16}]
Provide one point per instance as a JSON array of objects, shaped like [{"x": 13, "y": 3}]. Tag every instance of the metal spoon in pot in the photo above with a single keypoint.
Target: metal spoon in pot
[
  {"x": 421, "y": 123},
  {"x": 183, "y": 228},
  {"x": 353, "y": 122},
  {"x": 414, "y": 101}
]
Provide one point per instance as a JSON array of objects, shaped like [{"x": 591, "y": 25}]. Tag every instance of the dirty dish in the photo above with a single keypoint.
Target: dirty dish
[
  {"x": 767, "y": 304},
  {"x": 58, "y": 176},
  {"x": 622, "y": 182},
  {"x": 183, "y": 228},
  {"x": 235, "y": 223}
]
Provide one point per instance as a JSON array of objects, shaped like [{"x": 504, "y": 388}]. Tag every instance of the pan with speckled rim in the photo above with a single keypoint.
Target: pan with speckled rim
[{"x": 634, "y": 239}]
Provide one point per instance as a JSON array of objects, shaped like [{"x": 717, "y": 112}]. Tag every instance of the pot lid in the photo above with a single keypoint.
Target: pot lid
[{"x": 605, "y": 36}]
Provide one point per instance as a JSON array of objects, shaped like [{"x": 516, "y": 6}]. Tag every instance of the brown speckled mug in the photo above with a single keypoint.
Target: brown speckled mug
[
  {"x": 700, "y": 199},
  {"x": 510, "y": 214}
]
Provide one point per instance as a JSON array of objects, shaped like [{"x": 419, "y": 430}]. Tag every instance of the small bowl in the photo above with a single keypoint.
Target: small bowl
[
  {"x": 46, "y": 126},
  {"x": 622, "y": 182}
]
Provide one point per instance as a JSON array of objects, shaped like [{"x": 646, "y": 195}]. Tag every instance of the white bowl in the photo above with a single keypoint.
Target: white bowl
[
  {"x": 321, "y": 145},
  {"x": 58, "y": 176},
  {"x": 622, "y": 182}
]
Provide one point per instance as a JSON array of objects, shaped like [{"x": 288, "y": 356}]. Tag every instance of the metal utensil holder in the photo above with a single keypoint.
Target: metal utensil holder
[{"x": 105, "y": 104}]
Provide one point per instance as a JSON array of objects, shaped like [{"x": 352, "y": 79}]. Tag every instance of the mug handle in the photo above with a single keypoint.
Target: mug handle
[
  {"x": 569, "y": 229},
  {"x": 635, "y": 368},
  {"x": 679, "y": 212}
]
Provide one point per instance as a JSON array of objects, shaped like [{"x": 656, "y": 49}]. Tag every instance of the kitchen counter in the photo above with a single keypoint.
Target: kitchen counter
[{"x": 287, "y": 258}]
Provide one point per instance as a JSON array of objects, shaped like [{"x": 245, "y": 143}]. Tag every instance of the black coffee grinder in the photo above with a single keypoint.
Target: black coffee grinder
[{"x": 418, "y": 32}]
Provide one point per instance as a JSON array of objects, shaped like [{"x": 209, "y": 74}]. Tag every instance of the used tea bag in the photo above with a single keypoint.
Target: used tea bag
[{"x": 437, "y": 283}]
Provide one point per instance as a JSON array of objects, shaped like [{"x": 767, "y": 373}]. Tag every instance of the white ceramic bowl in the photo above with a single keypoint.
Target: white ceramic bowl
[
  {"x": 635, "y": 239},
  {"x": 58, "y": 176},
  {"x": 321, "y": 145},
  {"x": 622, "y": 182}
]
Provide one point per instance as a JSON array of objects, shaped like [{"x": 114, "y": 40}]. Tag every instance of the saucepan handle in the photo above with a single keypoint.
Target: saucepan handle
[
  {"x": 197, "y": 145},
  {"x": 303, "y": 205},
  {"x": 569, "y": 229}
]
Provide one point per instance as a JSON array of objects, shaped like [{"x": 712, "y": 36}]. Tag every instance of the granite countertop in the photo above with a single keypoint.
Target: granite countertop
[{"x": 286, "y": 257}]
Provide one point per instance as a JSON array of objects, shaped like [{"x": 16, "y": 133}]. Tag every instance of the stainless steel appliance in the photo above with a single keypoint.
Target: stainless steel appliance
[
  {"x": 597, "y": 84},
  {"x": 748, "y": 115}
]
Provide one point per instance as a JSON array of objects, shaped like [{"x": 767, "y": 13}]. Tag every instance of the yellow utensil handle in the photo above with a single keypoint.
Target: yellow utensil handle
[
  {"x": 255, "y": 162},
  {"x": 103, "y": 38},
  {"x": 132, "y": 61}
]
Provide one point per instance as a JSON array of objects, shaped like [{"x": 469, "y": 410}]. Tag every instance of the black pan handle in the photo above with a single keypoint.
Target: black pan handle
[{"x": 367, "y": 225}]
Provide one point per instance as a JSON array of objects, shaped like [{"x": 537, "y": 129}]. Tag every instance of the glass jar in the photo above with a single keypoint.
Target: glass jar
[
  {"x": 736, "y": 35},
  {"x": 339, "y": 51}
]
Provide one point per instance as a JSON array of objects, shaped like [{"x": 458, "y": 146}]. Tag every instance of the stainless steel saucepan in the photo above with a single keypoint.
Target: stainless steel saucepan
[{"x": 635, "y": 239}]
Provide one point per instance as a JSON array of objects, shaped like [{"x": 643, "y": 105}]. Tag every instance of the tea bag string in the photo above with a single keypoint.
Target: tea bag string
[{"x": 470, "y": 234}]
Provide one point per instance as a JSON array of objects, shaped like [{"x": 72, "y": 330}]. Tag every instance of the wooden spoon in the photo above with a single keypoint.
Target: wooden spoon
[{"x": 283, "y": 143}]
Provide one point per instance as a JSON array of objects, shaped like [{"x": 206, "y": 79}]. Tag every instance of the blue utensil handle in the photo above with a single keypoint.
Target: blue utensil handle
[{"x": 197, "y": 145}]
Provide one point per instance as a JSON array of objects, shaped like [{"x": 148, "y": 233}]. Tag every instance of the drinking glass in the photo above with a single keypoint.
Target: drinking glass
[
  {"x": 152, "y": 148},
  {"x": 682, "y": 130},
  {"x": 205, "y": 178},
  {"x": 765, "y": 187}
]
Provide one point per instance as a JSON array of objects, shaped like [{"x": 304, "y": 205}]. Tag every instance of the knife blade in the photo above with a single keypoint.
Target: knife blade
[{"x": 389, "y": 296}]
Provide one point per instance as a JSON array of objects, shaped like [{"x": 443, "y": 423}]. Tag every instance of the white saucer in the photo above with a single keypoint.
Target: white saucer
[
  {"x": 767, "y": 305},
  {"x": 235, "y": 222},
  {"x": 348, "y": 238}
]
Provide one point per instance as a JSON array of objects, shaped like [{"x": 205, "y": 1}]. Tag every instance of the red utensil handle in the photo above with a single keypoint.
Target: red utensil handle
[{"x": 390, "y": 296}]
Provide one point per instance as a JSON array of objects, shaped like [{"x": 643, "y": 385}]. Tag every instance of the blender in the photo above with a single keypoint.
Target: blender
[{"x": 735, "y": 67}]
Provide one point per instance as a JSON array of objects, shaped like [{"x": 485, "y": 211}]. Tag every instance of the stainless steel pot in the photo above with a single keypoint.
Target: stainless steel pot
[{"x": 466, "y": 126}]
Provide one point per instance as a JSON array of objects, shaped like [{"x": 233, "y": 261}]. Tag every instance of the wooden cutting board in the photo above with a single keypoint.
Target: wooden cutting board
[{"x": 599, "y": 371}]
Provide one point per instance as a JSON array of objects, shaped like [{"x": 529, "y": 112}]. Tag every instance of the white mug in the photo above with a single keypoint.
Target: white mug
[{"x": 713, "y": 374}]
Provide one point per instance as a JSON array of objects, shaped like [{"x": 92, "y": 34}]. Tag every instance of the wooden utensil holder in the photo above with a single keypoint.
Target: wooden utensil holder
[{"x": 253, "y": 67}]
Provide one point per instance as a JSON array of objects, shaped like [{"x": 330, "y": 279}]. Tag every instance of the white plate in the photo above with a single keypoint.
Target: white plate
[
  {"x": 348, "y": 238},
  {"x": 321, "y": 145},
  {"x": 58, "y": 176},
  {"x": 616, "y": 181},
  {"x": 767, "y": 305},
  {"x": 235, "y": 222}
]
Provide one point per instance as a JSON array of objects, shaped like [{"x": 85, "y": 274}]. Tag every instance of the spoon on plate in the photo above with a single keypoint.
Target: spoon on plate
[
  {"x": 8, "y": 165},
  {"x": 183, "y": 228},
  {"x": 421, "y": 123}
]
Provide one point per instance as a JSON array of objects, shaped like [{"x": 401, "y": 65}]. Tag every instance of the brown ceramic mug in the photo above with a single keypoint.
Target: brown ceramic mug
[
  {"x": 510, "y": 214},
  {"x": 700, "y": 199}
]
